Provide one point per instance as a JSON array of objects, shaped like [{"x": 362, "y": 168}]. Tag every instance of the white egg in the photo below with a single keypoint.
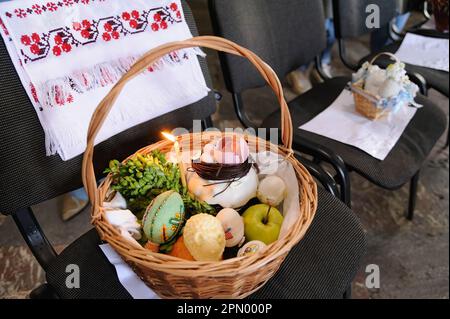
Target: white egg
[{"x": 271, "y": 190}]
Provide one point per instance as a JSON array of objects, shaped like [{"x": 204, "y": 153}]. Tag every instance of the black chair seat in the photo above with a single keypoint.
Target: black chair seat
[
  {"x": 402, "y": 163},
  {"x": 322, "y": 265},
  {"x": 430, "y": 33},
  {"x": 435, "y": 78}
]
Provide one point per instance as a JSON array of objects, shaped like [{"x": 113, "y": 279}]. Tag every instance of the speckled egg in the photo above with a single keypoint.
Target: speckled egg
[
  {"x": 163, "y": 218},
  {"x": 204, "y": 237}
]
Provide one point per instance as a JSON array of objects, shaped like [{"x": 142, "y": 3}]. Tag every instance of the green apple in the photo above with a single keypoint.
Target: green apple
[{"x": 262, "y": 222}]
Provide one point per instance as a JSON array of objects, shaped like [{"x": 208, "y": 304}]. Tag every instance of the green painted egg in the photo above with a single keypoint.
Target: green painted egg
[{"x": 164, "y": 217}]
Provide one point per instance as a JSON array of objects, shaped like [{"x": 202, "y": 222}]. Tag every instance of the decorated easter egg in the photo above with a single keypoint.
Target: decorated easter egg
[
  {"x": 179, "y": 250},
  {"x": 271, "y": 190},
  {"x": 251, "y": 248},
  {"x": 164, "y": 217},
  {"x": 204, "y": 237},
  {"x": 233, "y": 225},
  {"x": 231, "y": 150}
]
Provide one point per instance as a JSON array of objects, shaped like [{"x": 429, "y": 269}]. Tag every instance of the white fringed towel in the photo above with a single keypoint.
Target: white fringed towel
[{"x": 69, "y": 54}]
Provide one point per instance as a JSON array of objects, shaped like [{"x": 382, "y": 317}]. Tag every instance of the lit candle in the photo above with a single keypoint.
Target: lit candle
[{"x": 176, "y": 146}]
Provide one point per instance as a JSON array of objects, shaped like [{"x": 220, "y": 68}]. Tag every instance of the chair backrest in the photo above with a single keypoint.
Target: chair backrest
[
  {"x": 284, "y": 33},
  {"x": 350, "y": 16},
  {"x": 28, "y": 176}
]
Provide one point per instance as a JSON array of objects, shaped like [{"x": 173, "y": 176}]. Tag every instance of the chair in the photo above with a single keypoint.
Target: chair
[
  {"x": 417, "y": 6},
  {"x": 288, "y": 34},
  {"x": 349, "y": 18},
  {"x": 322, "y": 265}
]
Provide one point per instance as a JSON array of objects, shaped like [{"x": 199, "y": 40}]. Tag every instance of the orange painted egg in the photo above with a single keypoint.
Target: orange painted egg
[{"x": 179, "y": 250}]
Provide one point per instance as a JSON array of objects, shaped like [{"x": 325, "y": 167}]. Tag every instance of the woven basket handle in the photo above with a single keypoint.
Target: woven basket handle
[
  {"x": 392, "y": 56},
  {"x": 216, "y": 43}
]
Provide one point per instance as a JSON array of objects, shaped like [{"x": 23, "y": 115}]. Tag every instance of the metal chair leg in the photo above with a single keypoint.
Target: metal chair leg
[
  {"x": 412, "y": 196},
  {"x": 448, "y": 137},
  {"x": 207, "y": 123},
  {"x": 44, "y": 291},
  {"x": 348, "y": 292},
  {"x": 34, "y": 236}
]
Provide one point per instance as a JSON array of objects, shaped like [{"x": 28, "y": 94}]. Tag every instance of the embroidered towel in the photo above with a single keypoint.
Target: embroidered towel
[
  {"x": 70, "y": 53},
  {"x": 342, "y": 123},
  {"x": 424, "y": 51}
]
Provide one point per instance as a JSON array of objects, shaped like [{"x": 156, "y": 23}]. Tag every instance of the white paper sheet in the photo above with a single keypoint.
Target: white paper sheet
[
  {"x": 127, "y": 277},
  {"x": 342, "y": 123},
  {"x": 424, "y": 51}
]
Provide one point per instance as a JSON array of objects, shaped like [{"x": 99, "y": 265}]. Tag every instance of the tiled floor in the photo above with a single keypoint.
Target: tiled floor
[{"x": 413, "y": 256}]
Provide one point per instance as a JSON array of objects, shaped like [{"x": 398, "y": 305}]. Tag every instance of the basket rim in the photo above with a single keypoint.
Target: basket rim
[{"x": 228, "y": 267}]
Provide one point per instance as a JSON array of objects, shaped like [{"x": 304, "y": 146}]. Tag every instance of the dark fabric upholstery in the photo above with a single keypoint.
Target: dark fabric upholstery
[
  {"x": 322, "y": 265},
  {"x": 435, "y": 78},
  {"x": 430, "y": 33},
  {"x": 270, "y": 29},
  {"x": 350, "y": 16},
  {"x": 29, "y": 177},
  {"x": 403, "y": 161}
]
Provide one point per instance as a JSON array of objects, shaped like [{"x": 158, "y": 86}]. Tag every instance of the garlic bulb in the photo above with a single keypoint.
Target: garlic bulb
[
  {"x": 124, "y": 220},
  {"x": 271, "y": 190}
]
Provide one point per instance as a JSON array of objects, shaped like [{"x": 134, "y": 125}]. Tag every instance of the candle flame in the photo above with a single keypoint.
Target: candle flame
[{"x": 169, "y": 136}]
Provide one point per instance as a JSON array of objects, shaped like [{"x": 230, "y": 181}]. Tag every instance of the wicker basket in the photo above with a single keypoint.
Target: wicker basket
[
  {"x": 366, "y": 103},
  {"x": 172, "y": 277}
]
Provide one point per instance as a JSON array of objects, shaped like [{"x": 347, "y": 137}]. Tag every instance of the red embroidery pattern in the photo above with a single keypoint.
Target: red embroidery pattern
[
  {"x": 65, "y": 91},
  {"x": 51, "y": 6},
  {"x": 2, "y": 25},
  {"x": 65, "y": 39}
]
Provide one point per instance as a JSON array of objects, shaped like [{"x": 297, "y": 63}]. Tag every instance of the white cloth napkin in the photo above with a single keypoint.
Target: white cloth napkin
[
  {"x": 424, "y": 51},
  {"x": 70, "y": 53},
  {"x": 342, "y": 123},
  {"x": 127, "y": 277}
]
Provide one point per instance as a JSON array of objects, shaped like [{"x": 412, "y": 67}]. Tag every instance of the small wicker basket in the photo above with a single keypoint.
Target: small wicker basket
[
  {"x": 171, "y": 277},
  {"x": 366, "y": 103}
]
